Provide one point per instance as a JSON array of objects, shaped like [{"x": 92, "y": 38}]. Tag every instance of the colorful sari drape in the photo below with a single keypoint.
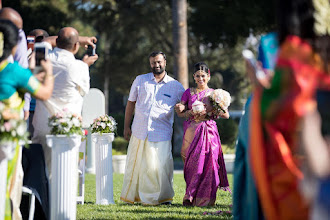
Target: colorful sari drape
[
  {"x": 274, "y": 129},
  {"x": 204, "y": 167}
]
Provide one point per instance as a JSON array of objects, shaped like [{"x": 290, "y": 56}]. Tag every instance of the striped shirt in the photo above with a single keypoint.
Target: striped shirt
[{"x": 154, "y": 108}]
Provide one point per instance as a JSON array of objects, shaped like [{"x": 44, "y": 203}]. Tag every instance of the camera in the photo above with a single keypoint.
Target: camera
[
  {"x": 41, "y": 52},
  {"x": 91, "y": 50}
]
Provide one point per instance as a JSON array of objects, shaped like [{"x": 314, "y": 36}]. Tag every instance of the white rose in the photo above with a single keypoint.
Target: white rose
[{"x": 198, "y": 106}]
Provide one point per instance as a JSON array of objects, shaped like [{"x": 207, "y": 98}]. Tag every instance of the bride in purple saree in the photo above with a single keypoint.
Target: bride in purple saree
[{"x": 204, "y": 167}]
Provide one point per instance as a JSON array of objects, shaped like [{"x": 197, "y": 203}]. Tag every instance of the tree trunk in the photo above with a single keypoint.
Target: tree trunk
[
  {"x": 180, "y": 41},
  {"x": 180, "y": 48}
]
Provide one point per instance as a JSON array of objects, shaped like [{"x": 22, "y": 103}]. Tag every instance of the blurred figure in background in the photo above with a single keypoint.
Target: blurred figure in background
[
  {"x": 71, "y": 84},
  {"x": 13, "y": 80},
  {"x": 39, "y": 35},
  {"x": 246, "y": 203},
  {"x": 21, "y": 53},
  {"x": 278, "y": 111}
]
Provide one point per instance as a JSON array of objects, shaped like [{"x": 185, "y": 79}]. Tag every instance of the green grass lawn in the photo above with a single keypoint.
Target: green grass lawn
[{"x": 122, "y": 210}]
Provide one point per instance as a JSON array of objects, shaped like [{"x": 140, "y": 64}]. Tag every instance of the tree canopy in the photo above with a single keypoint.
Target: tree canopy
[{"x": 128, "y": 30}]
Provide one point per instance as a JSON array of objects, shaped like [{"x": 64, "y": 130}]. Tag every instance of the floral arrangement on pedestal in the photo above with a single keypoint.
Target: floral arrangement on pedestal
[
  {"x": 65, "y": 123},
  {"x": 12, "y": 127},
  {"x": 220, "y": 100},
  {"x": 104, "y": 124}
]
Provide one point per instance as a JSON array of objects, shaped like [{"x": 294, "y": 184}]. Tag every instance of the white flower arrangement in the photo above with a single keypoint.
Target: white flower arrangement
[
  {"x": 65, "y": 123},
  {"x": 12, "y": 128},
  {"x": 104, "y": 124},
  {"x": 198, "y": 106},
  {"x": 220, "y": 100}
]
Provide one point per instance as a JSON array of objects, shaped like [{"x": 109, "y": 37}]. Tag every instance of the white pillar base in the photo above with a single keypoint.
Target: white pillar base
[
  {"x": 64, "y": 179},
  {"x": 7, "y": 151},
  {"x": 103, "y": 158},
  {"x": 90, "y": 166}
]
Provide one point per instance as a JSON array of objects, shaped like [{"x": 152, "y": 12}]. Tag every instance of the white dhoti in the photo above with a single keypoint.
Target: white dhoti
[{"x": 148, "y": 173}]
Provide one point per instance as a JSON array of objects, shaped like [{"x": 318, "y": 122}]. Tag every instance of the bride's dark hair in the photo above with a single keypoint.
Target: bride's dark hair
[{"x": 201, "y": 66}]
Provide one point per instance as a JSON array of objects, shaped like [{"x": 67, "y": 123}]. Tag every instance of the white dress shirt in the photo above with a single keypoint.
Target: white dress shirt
[
  {"x": 70, "y": 85},
  {"x": 154, "y": 108}
]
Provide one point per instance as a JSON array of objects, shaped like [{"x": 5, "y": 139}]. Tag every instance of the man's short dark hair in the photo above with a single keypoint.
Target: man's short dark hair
[
  {"x": 155, "y": 53},
  {"x": 40, "y": 34}
]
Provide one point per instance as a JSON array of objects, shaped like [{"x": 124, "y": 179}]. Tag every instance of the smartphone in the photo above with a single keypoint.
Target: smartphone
[
  {"x": 41, "y": 52},
  {"x": 91, "y": 50},
  {"x": 30, "y": 42}
]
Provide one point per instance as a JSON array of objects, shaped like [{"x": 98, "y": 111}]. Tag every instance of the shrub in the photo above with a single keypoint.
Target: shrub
[
  {"x": 228, "y": 129},
  {"x": 120, "y": 118},
  {"x": 119, "y": 146}
]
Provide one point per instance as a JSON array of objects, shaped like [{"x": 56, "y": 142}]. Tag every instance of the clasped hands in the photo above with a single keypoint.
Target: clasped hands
[{"x": 181, "y": 108}]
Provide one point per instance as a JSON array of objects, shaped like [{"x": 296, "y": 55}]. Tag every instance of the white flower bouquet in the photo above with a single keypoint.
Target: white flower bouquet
[
  {"x": 220, "y": 100},
  {"x": 198, "y": 106},
  {"x": 104, "y": 124},
  {"x": 12, "y": 128},
  {"x": 65, "y": 123}
]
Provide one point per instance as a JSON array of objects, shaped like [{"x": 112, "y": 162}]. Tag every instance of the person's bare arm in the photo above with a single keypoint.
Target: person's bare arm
[
  {"x": 51, "y": 40},
  {"x": 128, "y": 119},
  {"x": 180, "y": 110},
  {"x": 46, "y": 88},
  {"x": 83, "y": 40},
  {"x": 224, "y": 115},
  {"x": 317, "y": 147},
  {"x": 90, "y": 60}
]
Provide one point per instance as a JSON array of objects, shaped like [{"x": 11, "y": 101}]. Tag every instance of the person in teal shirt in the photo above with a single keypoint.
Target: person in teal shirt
[{"x": 14, "y": 82}]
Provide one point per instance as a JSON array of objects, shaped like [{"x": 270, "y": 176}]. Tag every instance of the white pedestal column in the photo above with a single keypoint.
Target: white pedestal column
[
  {"x": 7, "y": 151},
  {"x": 64, "y": 179},
  {"x": 103, "y": 158},
  {"x": 90, "y": 167}
]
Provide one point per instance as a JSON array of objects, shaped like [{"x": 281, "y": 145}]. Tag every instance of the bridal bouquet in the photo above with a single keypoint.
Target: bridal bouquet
[
  {"x": 198, "y": 106},
  {"x": 65, "y": 123},
  {"x": 220, "y": 100},
  {"x": 104, "y": 124},
  {"x": 12, "y": 128}
]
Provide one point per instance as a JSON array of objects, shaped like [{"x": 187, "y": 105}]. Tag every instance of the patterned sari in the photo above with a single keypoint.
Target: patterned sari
[
  {"x": 274, "y": 129},
  {"x": 204, "y": 167}
]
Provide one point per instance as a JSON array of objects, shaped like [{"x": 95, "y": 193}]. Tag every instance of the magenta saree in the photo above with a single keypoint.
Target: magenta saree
[{"x": 204, "y": 167}]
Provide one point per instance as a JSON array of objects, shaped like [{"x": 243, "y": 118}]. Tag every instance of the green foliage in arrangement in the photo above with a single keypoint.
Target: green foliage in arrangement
[
  {"x": 104, "y": 124},
  {"x": 121, "y": 210},
  {"x": 65, "y": 123},
  {"x": 228, "y": 130}
]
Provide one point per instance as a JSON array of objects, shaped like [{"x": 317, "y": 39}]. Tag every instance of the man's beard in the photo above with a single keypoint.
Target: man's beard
[{"x": 158, "y": 72}]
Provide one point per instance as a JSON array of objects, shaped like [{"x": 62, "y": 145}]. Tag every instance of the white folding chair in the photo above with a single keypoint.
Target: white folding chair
[
  {"x": 81, "y": 173},
  {"x": 29, "y": 192}
]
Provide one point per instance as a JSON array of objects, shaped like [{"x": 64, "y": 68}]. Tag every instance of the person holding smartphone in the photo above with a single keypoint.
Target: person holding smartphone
[
  {"x": 13, "y": 80},
  {"x": 71, "y": 84}
]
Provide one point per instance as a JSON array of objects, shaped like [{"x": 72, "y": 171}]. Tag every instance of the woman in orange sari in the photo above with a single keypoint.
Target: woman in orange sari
[{"x": 277, "y": 112}]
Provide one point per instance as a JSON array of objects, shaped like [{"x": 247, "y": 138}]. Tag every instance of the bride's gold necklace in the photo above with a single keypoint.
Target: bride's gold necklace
[{"x": 200, "y": 90}]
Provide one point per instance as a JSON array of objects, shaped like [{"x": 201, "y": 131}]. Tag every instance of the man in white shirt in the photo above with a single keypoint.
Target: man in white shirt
[
  {"x": 149, "y": 166},
  {"x": 70, "y": 85}
]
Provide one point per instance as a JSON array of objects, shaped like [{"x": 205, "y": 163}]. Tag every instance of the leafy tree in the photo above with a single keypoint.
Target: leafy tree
[
  {"x": 226, "y": 21},
  {"x": 49, "y": 15}
]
